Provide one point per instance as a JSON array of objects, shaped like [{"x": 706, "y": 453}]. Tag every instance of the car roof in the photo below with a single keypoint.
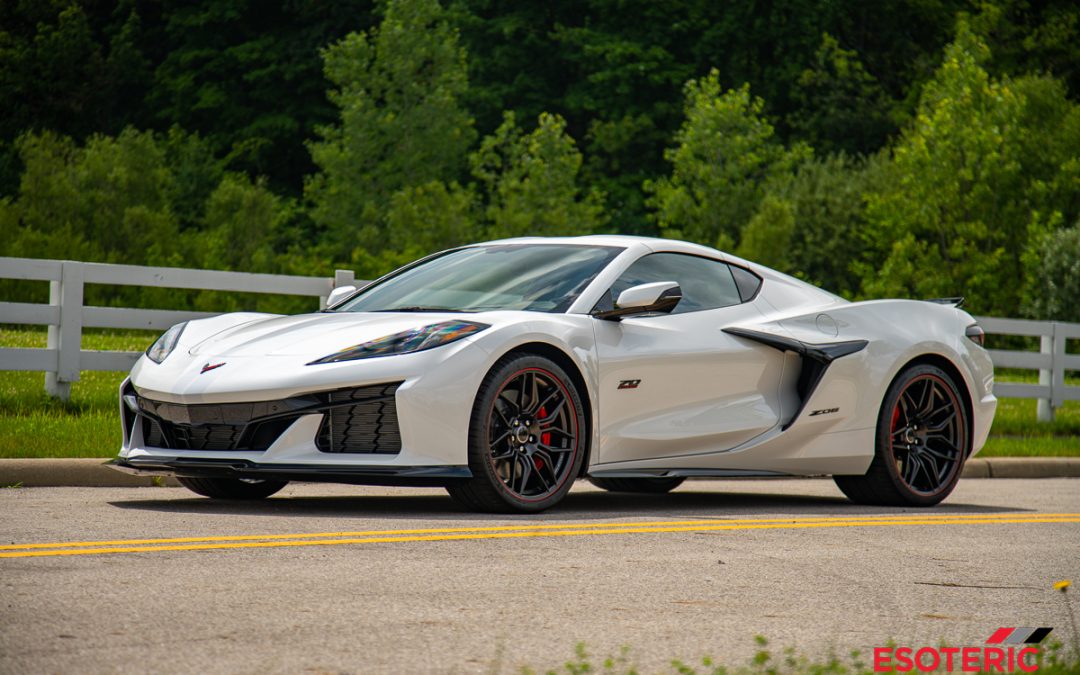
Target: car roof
[
  {"x": 623, "y": 240},
  {"x": 657, "y": 245}
]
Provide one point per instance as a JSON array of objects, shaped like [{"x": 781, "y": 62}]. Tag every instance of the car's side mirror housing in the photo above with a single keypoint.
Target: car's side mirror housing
[
  {"x": 656, "y": 297},
  {"x": 339, "y": 294}
]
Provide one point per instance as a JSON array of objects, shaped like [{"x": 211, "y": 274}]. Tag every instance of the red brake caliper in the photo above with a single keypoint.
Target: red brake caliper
[{"x": 545, "y": 437}]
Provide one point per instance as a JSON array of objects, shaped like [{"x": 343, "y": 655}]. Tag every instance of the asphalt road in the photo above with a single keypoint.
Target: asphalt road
[{"x": 343, "y": 579}]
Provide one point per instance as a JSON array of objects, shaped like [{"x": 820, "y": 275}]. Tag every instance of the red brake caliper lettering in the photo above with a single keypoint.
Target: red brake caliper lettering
[{"x": 545, "y": 437}]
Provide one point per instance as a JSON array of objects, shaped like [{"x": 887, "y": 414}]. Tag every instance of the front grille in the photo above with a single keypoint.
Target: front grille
[
  {"x": 207, "y": 436},
  {"x": 362, "y": 420},
  {"x": 160, "y": 433}
]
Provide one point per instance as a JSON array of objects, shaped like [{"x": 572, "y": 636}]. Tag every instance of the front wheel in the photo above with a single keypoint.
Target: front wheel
[
  {"x": 527, "y": 438},
  {"x": 922, "y": 441},
  {"x": 232, "y": 488}
]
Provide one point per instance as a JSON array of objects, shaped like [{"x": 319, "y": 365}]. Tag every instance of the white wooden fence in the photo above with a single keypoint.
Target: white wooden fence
[
  {"x": 1052, "y": 360},
  {"x": 66, "y": 315}
]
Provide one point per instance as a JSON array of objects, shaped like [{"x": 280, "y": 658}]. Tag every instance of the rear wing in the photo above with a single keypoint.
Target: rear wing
[{"x": 955, "y": 302}]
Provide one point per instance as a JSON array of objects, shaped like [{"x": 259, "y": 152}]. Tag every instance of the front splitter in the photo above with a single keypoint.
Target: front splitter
[{"x": 414, "y": 476}]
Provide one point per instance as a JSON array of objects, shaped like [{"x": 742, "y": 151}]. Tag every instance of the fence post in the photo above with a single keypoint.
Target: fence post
[
  {"x": 341, "y": 278},
  {"x": 1044, "y": 407},
  {"x": 1057, "y": 387},
  {"x": 344, "y": 278},
  {"x": 66, "y": 338}
]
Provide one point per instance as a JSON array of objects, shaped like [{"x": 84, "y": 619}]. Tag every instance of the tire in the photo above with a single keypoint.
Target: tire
[
  {"x": 527, "y": 438},
  {"x": 232, "y": 488},
  {"x": 923, "y": 437},
  {"x": 655, "y": 486}
]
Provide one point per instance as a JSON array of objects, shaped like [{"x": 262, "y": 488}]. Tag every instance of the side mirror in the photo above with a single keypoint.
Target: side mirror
[
  {"x": 660, "y": 296},
  {"x": 339, "y": 294}
]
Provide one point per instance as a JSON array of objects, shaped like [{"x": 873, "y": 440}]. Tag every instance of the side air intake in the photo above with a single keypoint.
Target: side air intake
[
  {"x": 815, "y": 358},
  {"x": 362, "y": 420}
]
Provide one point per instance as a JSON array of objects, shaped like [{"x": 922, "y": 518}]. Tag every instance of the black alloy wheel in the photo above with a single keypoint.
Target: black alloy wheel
[
  {"x": 526, "y": 440},
  {"x": 923, "y": 438}
]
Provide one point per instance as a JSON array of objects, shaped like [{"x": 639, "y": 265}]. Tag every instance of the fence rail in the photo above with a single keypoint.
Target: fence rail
[
  {"x": 66, "y": 316},
  {"x": 64, "y": 358},
  {"x": 1052, "y": 360}
]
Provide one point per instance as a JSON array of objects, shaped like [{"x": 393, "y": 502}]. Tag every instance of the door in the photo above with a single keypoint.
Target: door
[{"x": 675, "y": 385}]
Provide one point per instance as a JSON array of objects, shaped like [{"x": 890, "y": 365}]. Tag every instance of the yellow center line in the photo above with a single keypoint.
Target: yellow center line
[
  {"x": 566, "y": 532},
  {"x": 546, "y": 526}
]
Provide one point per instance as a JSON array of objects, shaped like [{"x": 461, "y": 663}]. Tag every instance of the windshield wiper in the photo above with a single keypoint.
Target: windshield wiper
[{"x": 421, "y": 308}]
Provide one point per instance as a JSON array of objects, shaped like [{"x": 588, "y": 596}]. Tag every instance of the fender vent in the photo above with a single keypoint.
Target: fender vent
[{"x": 362, "y": 420}]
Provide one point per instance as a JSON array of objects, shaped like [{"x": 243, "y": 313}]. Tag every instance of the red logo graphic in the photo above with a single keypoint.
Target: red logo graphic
[
  {"x": 211, "y": 367},
  {"x": 1015, "y": 653}
]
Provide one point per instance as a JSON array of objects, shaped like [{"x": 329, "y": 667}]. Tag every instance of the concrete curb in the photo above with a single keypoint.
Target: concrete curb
[
  {"x": 94, "y": 473},
  {"x": 73, "y": 472},
  {"x": 1022, "y": 467}
]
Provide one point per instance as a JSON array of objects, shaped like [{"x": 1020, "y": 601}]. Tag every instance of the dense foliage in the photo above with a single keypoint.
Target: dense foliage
[{"x": 918, "y": 148}]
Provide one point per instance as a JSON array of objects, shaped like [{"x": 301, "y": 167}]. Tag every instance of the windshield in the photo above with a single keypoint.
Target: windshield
[{"x": 535, "y": 277}]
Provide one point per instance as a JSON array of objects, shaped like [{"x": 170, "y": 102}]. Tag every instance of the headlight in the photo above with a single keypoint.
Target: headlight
[
  {"x": 407, "y": 342},
  {"x": 166, "y": 343}
]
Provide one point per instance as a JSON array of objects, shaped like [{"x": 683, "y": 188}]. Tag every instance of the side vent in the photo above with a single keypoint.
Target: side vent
[
  {"x": 815, "y": 358},
  {"x": 362, "y": 420}
]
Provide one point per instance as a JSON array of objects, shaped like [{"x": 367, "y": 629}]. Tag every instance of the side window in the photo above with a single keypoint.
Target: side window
[
  {"x": 748, "y": 283},
  {"x": 705, "y": 283}
]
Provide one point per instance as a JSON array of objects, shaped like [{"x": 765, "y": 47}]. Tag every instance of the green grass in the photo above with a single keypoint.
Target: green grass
[
  {"x": 1017, "y": 432},
  {"x": 1053, "y": 658},
  {"x": 34, "y": 425}
]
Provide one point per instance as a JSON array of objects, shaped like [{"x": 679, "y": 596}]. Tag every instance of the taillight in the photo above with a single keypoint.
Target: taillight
[{"x": 976, "y": 334}]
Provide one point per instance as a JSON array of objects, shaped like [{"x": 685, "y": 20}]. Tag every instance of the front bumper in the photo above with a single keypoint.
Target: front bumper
[
  {"x": 434, "y": 394},
  {"x": 419, "y": 476}
]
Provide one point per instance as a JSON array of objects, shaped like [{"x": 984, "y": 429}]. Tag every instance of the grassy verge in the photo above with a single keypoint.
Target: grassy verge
[
  {"x": 1052, "y": 659},
  {"x": 34, "y": 425},
  {"x": 1017, "y": 432}
]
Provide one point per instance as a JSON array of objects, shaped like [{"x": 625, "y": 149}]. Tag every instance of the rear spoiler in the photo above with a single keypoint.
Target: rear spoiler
[{"x": 955, "y": 302}]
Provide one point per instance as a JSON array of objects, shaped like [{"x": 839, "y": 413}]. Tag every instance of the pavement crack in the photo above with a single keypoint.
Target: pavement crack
[{"x": 949, "y": 584}]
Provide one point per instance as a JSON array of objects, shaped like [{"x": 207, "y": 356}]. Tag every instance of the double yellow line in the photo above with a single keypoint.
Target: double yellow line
[{"x": 513, "y": 532}]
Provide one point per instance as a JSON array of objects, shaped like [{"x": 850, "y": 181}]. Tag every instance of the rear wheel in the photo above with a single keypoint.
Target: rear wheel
[
  {"x": 526, "y": 438},
  {"x": 639, "y": 485},
  {"x": 232, "y": 488},
  {"x": 922, "y": 441}
]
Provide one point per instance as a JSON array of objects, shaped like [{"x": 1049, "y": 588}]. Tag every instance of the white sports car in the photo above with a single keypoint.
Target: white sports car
[{"x": 504, "y": 371}]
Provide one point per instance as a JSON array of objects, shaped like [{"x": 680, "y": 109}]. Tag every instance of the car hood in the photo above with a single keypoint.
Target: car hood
[{"x": 311, "y": 335}]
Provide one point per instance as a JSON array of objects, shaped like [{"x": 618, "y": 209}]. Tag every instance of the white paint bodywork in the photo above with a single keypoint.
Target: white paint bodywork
[{"x": 707, "y": 402}]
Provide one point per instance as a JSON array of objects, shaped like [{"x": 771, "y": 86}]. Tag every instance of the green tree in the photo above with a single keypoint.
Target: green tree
[
  {"x": 427, "y": 218},
  {"x": 767, "y": 237},
  {"x": 983, "y": 159},
  {"x": 1032, "y": 37},
  {"x": 531, "y": 182},
  {"x": 1053, "y": 292},
  {"x": 827, "y": 196},
  {"x": 247, "y": 77},
  {"x": 108, "y": 201},
  {"x": 840, "y": 106},
  {"x": 398, "y": 89},
  {"x": 242, "y": 223},
  {"x": 69, "y": 68},
  {"x": 727, "y": 158}
]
